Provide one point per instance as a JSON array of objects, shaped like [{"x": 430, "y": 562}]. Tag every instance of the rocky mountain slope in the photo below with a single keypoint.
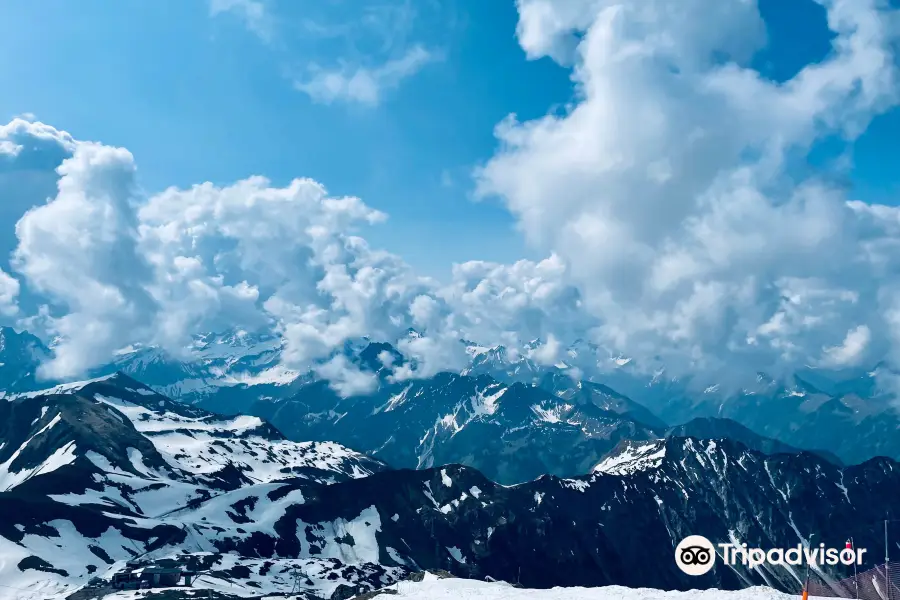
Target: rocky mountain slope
[
  {"x": 717, "y": 428},
  {"x": 512, "y": 433},
  {"x": 89, "y": 473},
  {"x": 845, "y": 413}
]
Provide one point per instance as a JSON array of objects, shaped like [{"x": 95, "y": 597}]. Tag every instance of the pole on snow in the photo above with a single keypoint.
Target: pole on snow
[
  {"x": 806, "y": 584},
  {"x": 887, "y": 566}
]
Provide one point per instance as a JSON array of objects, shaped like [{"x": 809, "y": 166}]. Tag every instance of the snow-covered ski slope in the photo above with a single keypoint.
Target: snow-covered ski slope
[{"x": 433, "y": 588}]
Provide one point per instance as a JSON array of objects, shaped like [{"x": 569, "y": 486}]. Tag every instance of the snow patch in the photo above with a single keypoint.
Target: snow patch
[
  {"x": 633, "y": 459},
  {"x": 457, "y": 555}
]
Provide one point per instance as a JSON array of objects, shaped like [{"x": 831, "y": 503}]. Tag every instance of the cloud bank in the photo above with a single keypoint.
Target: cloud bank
[
  {"x": 112, "y": 267},
  {"x": 667, "y": 188}
]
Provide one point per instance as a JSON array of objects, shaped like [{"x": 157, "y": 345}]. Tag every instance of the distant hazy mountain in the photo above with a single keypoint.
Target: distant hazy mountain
[
  {"x": 214, "y": 366},
  {"x": 714, "y": 428},
  {"x": 843, "y": 413},
  {"x": 512, "y": 433},
  {"x": 20, "y": 355},
  {"x": 850, "y": 426},
  {"x": 597, "y": 394}
]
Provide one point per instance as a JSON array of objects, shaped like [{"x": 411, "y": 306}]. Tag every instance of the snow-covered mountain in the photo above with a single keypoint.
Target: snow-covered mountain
[
  {"x": 99, "y": 473},
  {"x": 91, "y": 471},
  {"x": 183, "y": 442},
  {"x": 845, "y": 413},
  {"x": 584, "y": 392},
  {"x": 512, "y": 433},
  {"x": 503, "y": 364},
  {"x": 851, "y": 426},
  {"x": 20, "y": 356},
  {"x": 215, "y": 365},
  {"x": 229, "y": 371}
]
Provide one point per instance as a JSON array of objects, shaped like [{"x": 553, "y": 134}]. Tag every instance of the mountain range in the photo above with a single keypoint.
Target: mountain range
[
  {"x": 843, "y": 415},
  {"x": 102, "y": 472}
]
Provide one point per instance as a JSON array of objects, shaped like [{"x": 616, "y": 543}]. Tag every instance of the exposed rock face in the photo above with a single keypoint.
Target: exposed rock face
[{"x": 512, "y": 433}]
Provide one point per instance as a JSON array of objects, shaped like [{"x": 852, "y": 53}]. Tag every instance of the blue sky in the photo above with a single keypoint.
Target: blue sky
[{"x": 199, "y": 98}]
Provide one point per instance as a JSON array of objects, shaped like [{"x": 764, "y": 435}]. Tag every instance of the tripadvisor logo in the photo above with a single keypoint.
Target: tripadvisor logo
[{"x": 696, "y": 555}]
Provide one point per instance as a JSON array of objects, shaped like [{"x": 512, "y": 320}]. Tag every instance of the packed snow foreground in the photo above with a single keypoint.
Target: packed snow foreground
[{"x": 435, "y": 588}]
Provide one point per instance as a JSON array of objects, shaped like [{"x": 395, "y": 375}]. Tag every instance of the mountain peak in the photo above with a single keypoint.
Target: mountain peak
[
  {"x": 18, "y": 342},
  {"x": 631, "y": 457}
]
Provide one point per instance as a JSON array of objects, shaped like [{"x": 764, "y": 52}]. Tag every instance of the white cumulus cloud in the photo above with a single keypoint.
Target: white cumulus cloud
[
  {"x": 9, "y": 292},
  {"x": 547, "y": 353},
  {"x": 851, "y": 351},
  {"x": 346, "y": 378},
  {"x": 667, "y": 188},
  {"x": 78, "y": 251}
]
